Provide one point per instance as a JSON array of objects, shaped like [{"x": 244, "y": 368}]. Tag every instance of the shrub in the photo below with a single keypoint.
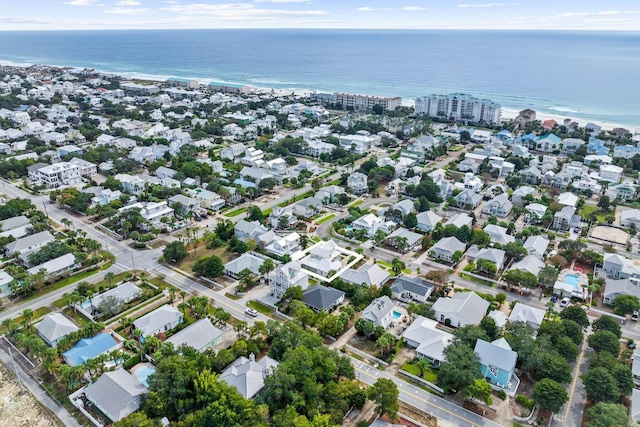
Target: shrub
[
  {"x": 130, "y": 363},
  {"x": 502, "y": 395},
  {"x": 525, "y": 401}
]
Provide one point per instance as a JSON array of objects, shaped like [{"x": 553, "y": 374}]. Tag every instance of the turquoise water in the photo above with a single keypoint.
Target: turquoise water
[
  {"x": 86, "y": 304},
  {"x": 572, "y": 279},
  {"x": 396, "y": 315},
  {"x": 142, "y": 374},
  {"x": 582, "y": 74}
]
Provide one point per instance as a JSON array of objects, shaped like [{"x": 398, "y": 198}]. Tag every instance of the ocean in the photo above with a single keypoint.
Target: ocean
[{"x": 585, "y": 75}]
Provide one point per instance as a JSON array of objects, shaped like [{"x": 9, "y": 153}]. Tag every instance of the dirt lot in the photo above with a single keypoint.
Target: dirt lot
[
  {"x": 21, "y": 410},
  {"x": 610, "y": 234}
]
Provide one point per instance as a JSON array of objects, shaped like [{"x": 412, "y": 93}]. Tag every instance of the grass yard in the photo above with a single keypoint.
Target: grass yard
[
  {"x": 356, "y": 203},
  {"x": 475, "y": 279},
  {"x": 589, "y": 209},
  {"x": 430, "y": 374},
  {"x": 36, "y": 315},
  {"x": 187, "y": 263},
  {"x": 267, "y": 212},
  {"x": 236, "y": 212},
  {"x": 260, "y": 308},
  {"x": 77, "y": 317},
  {"x": 387, "y": 266},
  {"x": 326, "y": 218}
]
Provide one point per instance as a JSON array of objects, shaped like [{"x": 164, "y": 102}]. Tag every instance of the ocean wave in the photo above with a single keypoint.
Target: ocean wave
[{"x": 563, "y": 109}]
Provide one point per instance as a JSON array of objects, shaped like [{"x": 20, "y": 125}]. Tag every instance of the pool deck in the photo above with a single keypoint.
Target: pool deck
[
  {"x": 583, "y": 280},
  {"x": 139, "y": 366}
]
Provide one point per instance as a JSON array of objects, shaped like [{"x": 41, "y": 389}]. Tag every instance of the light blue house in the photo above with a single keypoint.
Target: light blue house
[
  {"x": 596, "y": 146},
  {"x": 89, "y": 348},
  {"x": 498, "y": 364}
]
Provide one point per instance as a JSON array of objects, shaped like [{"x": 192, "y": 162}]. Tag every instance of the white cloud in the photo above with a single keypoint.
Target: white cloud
[
  {"x": 487, "y": 4},
  {"x": 172, "y": 2},
  {"x": 80, "y": 2},
  {"x": 414, "y": 8},
  {"x": 12, "y": 20},
  {"x": 371, "y": 9},
  {"x": 238, "y": 11},
  {"x": 130, "y": 11},
  {"x": 128, "y": 3}
]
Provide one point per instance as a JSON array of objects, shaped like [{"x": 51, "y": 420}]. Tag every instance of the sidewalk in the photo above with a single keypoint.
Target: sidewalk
[{"x": 39, "y": 393}]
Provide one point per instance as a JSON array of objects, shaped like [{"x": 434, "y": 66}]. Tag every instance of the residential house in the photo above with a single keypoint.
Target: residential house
[
  {"x": 89, "y": 348},
  {"x": 624, "y": 192},
  {"x": 403, "y": 239},
  {"x": 464, "y": 308},
  {"x": 496, "y": 256},
  {"x": 251, "y": 261},
  {"x": 16, "y": 227},
  {"x": 428, "y": 220},
  {"x": 379, "y": 312},
  {"x": 330, "y": 193},
  {"x": 468, "y": 199},
  {"x": 566, "y": 219},
  {"x": 536, "y": 246},
  {"x": 247, "y": 375},
  {"x": 429, "y": 341},
  {"x": 459, "y": 220},
  {"x": 323, "y": 259},
  {"x": 498, "y": 234},
  {"x": 370, "y": 223},
  {"x": 625, "y": 151},
  {"x": 534, "y": 212},
  {"x": 405, "y": 206},
  {"x": 233, "y": 151},
  {"x": 29, "y": 244},
  {"x": 208, "y": 199},
  {"x": 520, "y": 194},
  {"x": 165, "y": 172},
  {"x": 255, "y": 174},
  {"x": 116, "y": 394},
  {"x": 357, "y": 182},
  {"x": 617, "y": 287},
  {"x": 498, "y": 364},
  {"x": 5, "y": 284},
  {"x": 570, "y": 145},
  {"x": 367, "y": 275},
  {"x": 628, "y": 218},
  {"x": 56, "y": 266},
  {"x": 531, "y": 175},
  {"x": 446, "y": 247},
  {"x": 597, "y": 147},
  {"x": 152, "y": 212},
  {"x": 320, "y": 298},
  {"x": 104, "y": 196},
  {"x": 201, "y": 336},
  {"x": 286, "y": 245},
  {"x": 124, "y": 293},
  {"x": 187, "y": 204},
  {"x": 409, "y": 289},
  {"x": 54, "y": 327},
  {"x": 548, "y": 143},
  {"x": 530, "y": 315},
  {"x": 287, "y": 276},
  {"x": 499, "y": 206},
  {"x": 611, "y": 173},
  {"x": 162, "y": 319},
  {"x": 568, "y": 199},
  {"x": 143, "y": 155},
  {"x": 245, "y": 230}
]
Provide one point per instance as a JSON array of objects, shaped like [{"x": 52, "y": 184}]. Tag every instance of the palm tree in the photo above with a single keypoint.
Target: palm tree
[
  {"x": 126, "y": 322},
  {"x": 137, "y": 334},
  {"x": 27, "y": 315},
  {"x": 66, "y": 222},
  {"x": 110, "y": 276},
  {"x": 397, "y": 265},
  {"x": 172, "y": 294},
  {"x": 240, "y": 328},
  {"x": 183, "y": 294},
  {"x": 267, "y": 267}
]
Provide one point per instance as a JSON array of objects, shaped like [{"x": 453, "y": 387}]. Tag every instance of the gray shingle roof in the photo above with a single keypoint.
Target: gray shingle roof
[
  {"x": 369, "y": 274},
  {"x": 197, "y": 335},
  {"x": 55, "y": 326},
  {"x": 116, "y": 394},
  {"x": 414, "y": 285},
  {"x": 247, "y": 375},
  {"x": 321, "y": 297}
]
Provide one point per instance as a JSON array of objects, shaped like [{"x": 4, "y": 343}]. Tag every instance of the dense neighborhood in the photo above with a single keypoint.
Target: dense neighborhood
[{"x": 175, "y": 253}]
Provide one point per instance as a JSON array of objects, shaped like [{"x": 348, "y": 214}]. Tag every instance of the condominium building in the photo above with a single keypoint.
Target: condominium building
[
  {"x": 366, "y": 102},
  {"x": 459, "y": 106}
]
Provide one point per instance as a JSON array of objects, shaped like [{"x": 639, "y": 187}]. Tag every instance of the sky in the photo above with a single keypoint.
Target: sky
[{"x": 611, "y": 15}]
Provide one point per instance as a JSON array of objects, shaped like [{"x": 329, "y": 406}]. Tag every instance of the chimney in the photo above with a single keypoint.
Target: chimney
[{"x": 252, "y": 357}]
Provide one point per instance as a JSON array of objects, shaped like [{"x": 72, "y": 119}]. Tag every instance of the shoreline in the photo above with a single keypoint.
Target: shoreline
[{"x": 507, "y": 111}]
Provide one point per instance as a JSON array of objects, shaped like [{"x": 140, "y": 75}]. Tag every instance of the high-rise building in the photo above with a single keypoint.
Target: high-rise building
[
  {"x": 459, "y": 106},
  {"x": 366, "y": 102}
]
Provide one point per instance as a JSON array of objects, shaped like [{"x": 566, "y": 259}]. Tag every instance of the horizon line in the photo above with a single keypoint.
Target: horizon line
[{"x": 566, "y": 30}]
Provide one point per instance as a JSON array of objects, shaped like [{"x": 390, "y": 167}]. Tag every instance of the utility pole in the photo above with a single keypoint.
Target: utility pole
[
  {"x": 133, "y": 261},
  {"x": 45, "y": 209}
]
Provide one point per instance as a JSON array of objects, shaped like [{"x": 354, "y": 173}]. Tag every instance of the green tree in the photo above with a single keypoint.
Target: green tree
[
  {"x": 175, "y": 251},
  {"x": 576, "y": 314},
  {"x": 607, "y": 415},
  {"x": 604, "y": 341},
  {"x": 397, "y": 266},
  {"x": 601, "y": 385},
  {"x": 384, "y": 393},
  {"x": 110, "y": 276},
  {"x": 490, "y": 328},
  {"x": 138, "y": 419},
  {"x": 459, "y": 369},
  {"x": 479, "y": 389},
  {"x": 555, "y": 367},
  {"x": 411, "y": 220},
  {"x": 624, "y": 378},
  {"x": 470, "y": 334},
  {"x": 27, "y": 315},
  {"x": 549, "y": 395},
  {"x": 606, "y": 323},
  {"x": 385, "y": 343},
  {"x": 210, "y": 267},
  {"x": 626, "y": 304},
  {"x": 547, "y": 275},
  {"x": 267, "y": 267}
]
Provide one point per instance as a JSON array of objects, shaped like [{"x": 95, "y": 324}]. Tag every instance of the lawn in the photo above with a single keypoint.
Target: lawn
[
  {"x": 77, "y": 317},
  {"x": 261, "y": 308},
  {"x": 36, "y": 315},
  {"x": 236, "y": 212},
  {"x": 356, "y": 203},
  {"x": 387, "y": 266},
  {"x": 326, "y": 218},
  {"x": 430, "y": 375},
  {"x": 187, "y": 263},
  {"x": 589, "y": 209},
  {"x": 102, "y": 284}
]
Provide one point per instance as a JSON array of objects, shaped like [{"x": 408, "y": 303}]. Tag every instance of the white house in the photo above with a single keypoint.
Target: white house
[
  {"x": 427, "y": 339},
  {"x": 611, "y": 173},
  {"x": 464, "y": 308},
  {"x": 428, "y": 220},
  {"x": 530, "y": 315},
  {"x": 446, "y": 247},
  {"x": 324, "y": 259},
  {"x": 357, "y": 182},
  {"x": 286, "y": 245},
  {"x": 287, "y": 276},
  {"x": 379, "y": 312},
  {"x": 162, "y": 319}
]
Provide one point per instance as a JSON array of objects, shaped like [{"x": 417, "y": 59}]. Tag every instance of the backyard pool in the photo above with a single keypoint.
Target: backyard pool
[
  {"x": 572, "y": 279},
  {"x": 142, "y": 372},
  {"x": 396, "y": 316}
]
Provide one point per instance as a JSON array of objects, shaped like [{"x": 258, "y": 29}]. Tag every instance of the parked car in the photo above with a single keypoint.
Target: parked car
[
  {"x": 565, "y": 302},
  {"x": 554, "y": 298},
  {"x": 251, "y": 312},
  {"x": 635, "y": 316}
]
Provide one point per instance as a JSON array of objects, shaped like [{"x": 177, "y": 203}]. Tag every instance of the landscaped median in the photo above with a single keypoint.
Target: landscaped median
[
  {"x": 235, "y": 212},
  {"x": 325, "y": 219}
]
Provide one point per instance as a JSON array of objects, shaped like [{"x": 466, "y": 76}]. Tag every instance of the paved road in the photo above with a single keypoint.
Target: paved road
[{"x": 427, "y": 402}]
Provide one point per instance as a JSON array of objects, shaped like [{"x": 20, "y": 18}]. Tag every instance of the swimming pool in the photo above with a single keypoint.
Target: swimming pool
[
  {"x": 142, "y": 373},
  {"x": 86, "y": 304},
  {"x": 396, "y": 315},
  {"x": 572, "y": 279}
]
